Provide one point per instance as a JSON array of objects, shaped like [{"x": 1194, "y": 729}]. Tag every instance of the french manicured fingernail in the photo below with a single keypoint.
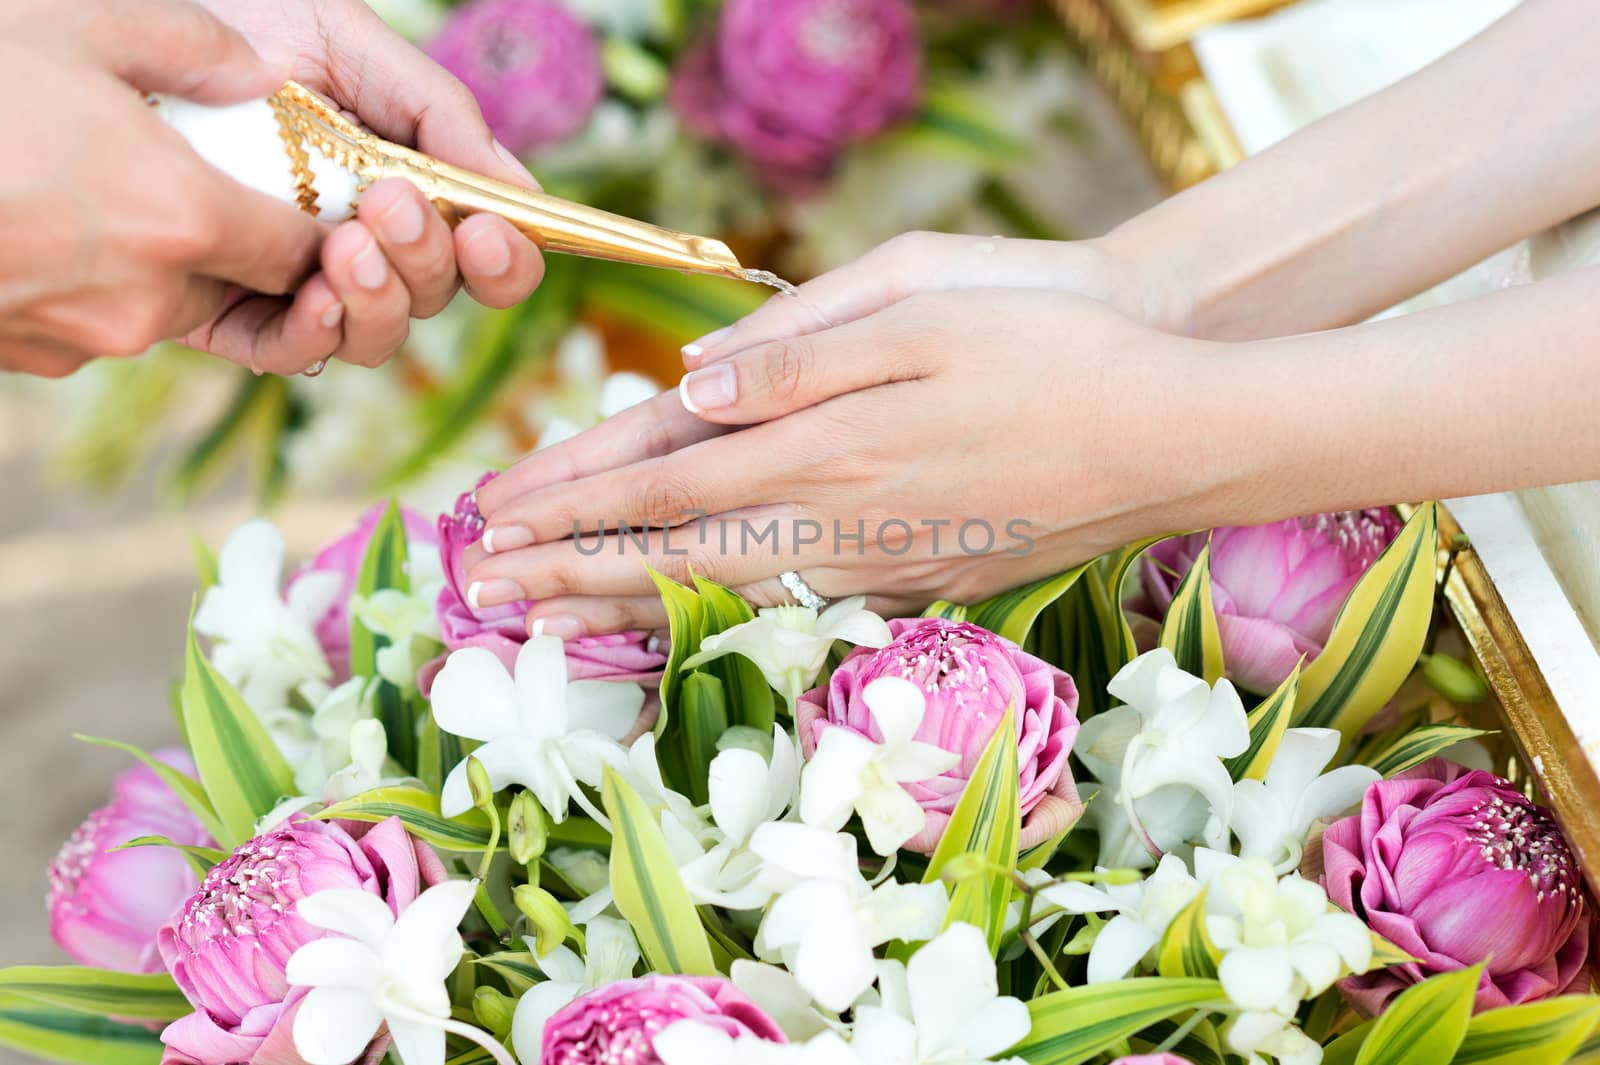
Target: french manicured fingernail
[
  {"x": 563, "y": 625},
  {"x": 708, "y": 389},
  {"x": 698, "y": 348},
  {"x": 507, "y": 538},
  {"x": 333, "y": 315},
  {"x": 512, "y": 161},
  {"x": 491, "y": 255},
  {"x": 369, "y": 267},
  {"x": 493, "y": 593},
  {"x": 403, "y": 222}
]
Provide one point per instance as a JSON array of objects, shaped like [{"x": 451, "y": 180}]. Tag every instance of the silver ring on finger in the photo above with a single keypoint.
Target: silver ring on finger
[{"x": 802, "y": 592}]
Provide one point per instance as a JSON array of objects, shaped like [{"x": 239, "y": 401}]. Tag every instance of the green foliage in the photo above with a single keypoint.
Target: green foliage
[
  {"x": 1268, "y": 722},
  {"x": 1074, "y": 1025},
  {"x": 1425, "y": 1024},
  {"x": 97, "y": 992},
  {"x": 986, "y": 822},
  {"x": 649, "y": 892},
  {"x": 1190, "y": 630},
  {"x": 1419, "y": 745},
  {"x": 383, "y": 568},
  {"x": 58, "y": 1034}
]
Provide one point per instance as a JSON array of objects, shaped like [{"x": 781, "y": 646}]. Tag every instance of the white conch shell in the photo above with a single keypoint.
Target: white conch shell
[{"x": 245, "y": 142}]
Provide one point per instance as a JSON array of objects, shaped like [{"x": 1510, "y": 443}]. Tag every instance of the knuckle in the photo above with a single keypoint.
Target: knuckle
[
  {"x": 560, "y": 578},
  {"x": 666, "y": 497},
  {"x": 787, "y": 367}
]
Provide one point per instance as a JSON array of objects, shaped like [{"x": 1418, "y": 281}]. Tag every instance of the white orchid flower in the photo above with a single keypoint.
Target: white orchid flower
[
  {"x": 1282, "y": 942},
  {"x": 943, "y": 1008},
  {"x": 790, "y": 644},
  {"x": 791, "y": 853},
  {"x": 368, "y": 751},
  {"x": 694, "y": 1043},
  {"x": 410, "y": 623},
  {"x": 1144, "y": 911},
  {"x": 589, "y": 874},
  {"x": 848, "y": 772},
  {"x": 381, "y": 971},
  {"x": 1273, "y": 817},
  {"x": 610, "y": 954},
  {"x": 1160, "y": 760},
  {"x": 537, "y": 730},
  {"x": 265, "y": 645},
  {"x": 747, "y": 791},
  {"x": 825, "y": 931},
  {"x": 781, "y": 997}
]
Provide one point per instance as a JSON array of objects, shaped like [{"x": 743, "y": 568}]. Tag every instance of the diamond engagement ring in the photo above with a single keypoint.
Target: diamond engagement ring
[{"x": 802, "y": 591}]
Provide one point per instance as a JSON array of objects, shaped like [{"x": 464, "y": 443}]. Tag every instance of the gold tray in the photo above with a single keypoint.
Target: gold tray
[{"x": 1138, "y": 51}]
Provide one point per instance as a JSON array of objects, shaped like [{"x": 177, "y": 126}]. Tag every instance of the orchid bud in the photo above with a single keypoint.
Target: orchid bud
[
  {"x": 478, "y": 784},
  {"x": 526, "y": 831},
  {"x": 1453, "y": 679},
  {"x": 963, "y": 867},
  {"x": 494, "y": 1010},
  {"x": 551, "y": 924}
]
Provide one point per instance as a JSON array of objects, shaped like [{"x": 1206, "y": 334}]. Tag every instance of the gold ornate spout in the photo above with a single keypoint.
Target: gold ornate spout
[{"x": 307, "y": 122}]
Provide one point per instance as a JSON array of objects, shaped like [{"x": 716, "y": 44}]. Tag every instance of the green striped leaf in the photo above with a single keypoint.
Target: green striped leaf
[
  {"x": 240, "y": 767},
  {"x": 101, "y": 992},
  {"x": 438, "y": 752},
  {"x": 987, "y": 821},
  {"x": 418, "y": 810},
  {"x": 1199, "y": 1046},
  {"x": 517, "y": 968},
  {"x": 205, "y": 563},
  {"x": 1537, "y": 1033},
  {"x": 201, "y": 858},
  {"x": 1012, "y": 614},
  {"x": 57, "y": 1034},
  {"x": 750, "y": 700},
  {"x": 1190, "y": 629},
  {"x": 1379, "y": 632},
  {"x": 183, "y": 786},
  {"x": 1074, "y": 1025},
  {"x": 649, "y": 892},
  {"x": 956, "y": 122},
  {"x": 1077, "y": 633},
  {"x": 385, "y": 567},
  {"x": 686, "y": 626},
  {"x": 1425, "y": 1024},
  {"x": 1117, "y": 566},
  {"x": 1268, "y": 722},
  {"x": 1186, "y": 948},
  {"x": 1385, "y": 954},
  {"x": 1421, "y": 744}
]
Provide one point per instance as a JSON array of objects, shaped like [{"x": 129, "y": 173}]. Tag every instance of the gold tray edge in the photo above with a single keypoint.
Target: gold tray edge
[{"x": 1538, "y": 727}]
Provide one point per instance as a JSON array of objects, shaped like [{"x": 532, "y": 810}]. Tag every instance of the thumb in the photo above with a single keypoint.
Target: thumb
[{"x": 179, "y": 48}]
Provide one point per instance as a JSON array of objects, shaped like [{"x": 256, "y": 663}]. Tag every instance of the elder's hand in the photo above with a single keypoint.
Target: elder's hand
[
  {"x": 397, "y": 260},
  {"x": 118, "y": 235},
  {"x": 949, "y": 446}
]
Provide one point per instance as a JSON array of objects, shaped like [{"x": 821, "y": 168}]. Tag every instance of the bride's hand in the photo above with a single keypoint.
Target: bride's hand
[
  {"x": 909, "y": 265},
  {"x": 974, "y": 440}
]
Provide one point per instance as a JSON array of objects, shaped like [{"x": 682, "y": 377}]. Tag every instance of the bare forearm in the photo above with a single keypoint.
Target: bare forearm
[
  {"x": 1497, "y": 140},
  {"x": 1488, "y": 395}
]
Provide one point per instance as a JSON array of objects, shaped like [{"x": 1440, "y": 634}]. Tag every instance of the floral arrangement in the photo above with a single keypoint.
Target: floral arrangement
[
  {"x": 804, "y": 132},
  {"x": 1046, "y": 828}
]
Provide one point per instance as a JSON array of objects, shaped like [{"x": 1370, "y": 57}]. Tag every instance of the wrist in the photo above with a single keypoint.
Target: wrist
[{"x": 1137, "y": 259}]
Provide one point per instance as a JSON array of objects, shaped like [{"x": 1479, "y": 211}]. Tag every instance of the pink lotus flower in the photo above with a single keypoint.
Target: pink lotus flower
[
  {"x": 619, "y": 1021},
  {"x": 1457, "y": 867},
  {"x": 94, "y": 915},
  {"x": 532, "y": 64},
  {"x": 503, "y": 629},
  {"x": 228, "y": 948},
  {"x": 1276, "y": 588},
  {"x": 344, "y": 557},
  {"x": 969, "y": 677},
  {"x": 791, "y": 82},
  {"x": 1152, "y": 1059}
]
